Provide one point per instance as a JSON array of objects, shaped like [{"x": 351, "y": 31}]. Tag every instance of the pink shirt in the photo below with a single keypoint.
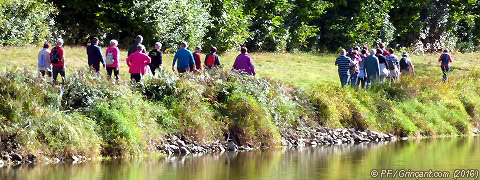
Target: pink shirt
[
  {"x": 138, "y": 62},
  {"x": 115, "y": 53}
]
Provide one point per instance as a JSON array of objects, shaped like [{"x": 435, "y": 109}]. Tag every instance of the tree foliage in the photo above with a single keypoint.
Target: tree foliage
[{"x": 261, "y": 25}]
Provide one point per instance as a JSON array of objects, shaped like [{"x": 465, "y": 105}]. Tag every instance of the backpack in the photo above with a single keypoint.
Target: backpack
[
  {"x": 54, "y": 59},
  {"x": 404, "y": 65},
  {"x": 110, "y": 59},
  {"x": 391, "y": 65},
  {"x": 210, "y": 60},
  {"x": 445, "y": 59},
  {"x": 42, "y": 62}
]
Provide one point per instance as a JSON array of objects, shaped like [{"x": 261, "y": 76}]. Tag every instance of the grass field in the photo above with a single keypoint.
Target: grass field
[{"x": 302, "y": 69}]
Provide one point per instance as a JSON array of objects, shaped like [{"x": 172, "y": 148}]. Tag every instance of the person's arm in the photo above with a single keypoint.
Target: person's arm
[
  {"x": 377, "y": 67},
  {"x": 160, "y": 58},
  {"x": 148, "y": 60},
  {"x": 252, "y": 66},
  {"x": 450, "y": 58},
  {"x": 128, "y": 61},
  {"x": 206, "y": 57},
  {"x": 100, "y": 55},
  {"x": 440, "y": 59},
  {"x": 336, "y": 62},
  {"x": 191, "y": 61},
  {"x": 412, "y": 67}
]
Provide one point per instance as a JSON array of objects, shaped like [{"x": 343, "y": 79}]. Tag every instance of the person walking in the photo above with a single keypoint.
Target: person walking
[
  {"x": 355, "y": 69},
  {"x": 112, "y": 55},
  {"x": 57, "y": 58},
  {"x": 393, "y": 66},
  {"x": 445, "y": 60},
  {"x": 137, "y": 62},
  {"x": 385, "y": 52},
  {"x": 362, "y": 76},
  {"x": 406, "y": 65},
  {"x": 244, "y": 63},
  {"x": 344, "y": 63},
  {"x": 383, "y": 65},
  {"x": 138, "y": 42},
  {"x": 184, "y": 57},
  {"x": 44, "y": 65},
  {"x": 95, "y": 56},
  {"x": 372, "y": 68},
  {"x": 198, "y": 59},
  {"x": 212, "y": 59},
  {"x": 156, "y": 56}
]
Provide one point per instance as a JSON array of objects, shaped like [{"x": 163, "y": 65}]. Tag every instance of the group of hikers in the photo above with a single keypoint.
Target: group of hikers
[
  {"x": 52, "y": 62},
  {"x": 364, "y": 68}
]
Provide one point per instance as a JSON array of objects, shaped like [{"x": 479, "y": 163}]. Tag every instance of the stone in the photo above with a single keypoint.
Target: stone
[
  {"x": 16, "y": 157},
  {"x": 404, "y": 138},
  {"x": 231, "y": 146},
  {"x": 56, "y": 160},
  {"x": 181, "y": 143},
  {"x": 313, "y": 143},
  {"x": 174, "y": 148},
  {"x": 32, "y": 157},
  {"x": 2, "y": 163},
  {"x": 476, "y": 131},
  {"x": 184, "y": 150}
]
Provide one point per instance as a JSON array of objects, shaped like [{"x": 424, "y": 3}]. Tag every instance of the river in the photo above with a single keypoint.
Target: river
[{"x": 331, "y": 162}]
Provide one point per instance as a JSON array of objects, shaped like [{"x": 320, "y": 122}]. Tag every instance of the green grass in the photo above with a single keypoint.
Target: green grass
[{"x": 94, "y": 117}]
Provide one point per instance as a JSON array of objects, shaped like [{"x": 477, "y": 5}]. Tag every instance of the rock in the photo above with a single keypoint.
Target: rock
[
  {"x": 174, "y": 148},
  {"x": 231, "y": 146},
  {"x": 313, "y": 143},
  {"x": 181, "y": 143},
  {"x": 5, "y": 156},
  {"x": 184, "y": 150},
  {"x": 404, "y": 138},
  {"x": 476, "y": 131},
  {"x": 16, "y": 157},
  {"x": 56, "y": 160},
  {"x": 31, "y": 158},
  {"x": 2, "y": 163}
]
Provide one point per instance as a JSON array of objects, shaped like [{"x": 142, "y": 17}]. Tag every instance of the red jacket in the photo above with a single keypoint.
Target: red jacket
[
  {"x": 61, "y": 55},
  {"x": 198, "y": 61},
  {"x": 138, "y": 62}
]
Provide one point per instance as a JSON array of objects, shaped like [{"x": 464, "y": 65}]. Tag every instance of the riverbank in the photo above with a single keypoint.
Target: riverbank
[{"x": 90, "y": 118}]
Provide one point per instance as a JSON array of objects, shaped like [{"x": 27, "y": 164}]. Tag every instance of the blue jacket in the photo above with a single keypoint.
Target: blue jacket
[
  {"x": 371, "y": 66},
  {"x": 185, "y": 59},
  {"x": 95, "y": 56}
]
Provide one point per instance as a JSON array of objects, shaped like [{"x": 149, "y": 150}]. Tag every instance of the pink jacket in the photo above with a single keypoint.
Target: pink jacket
[
  {"x": 115, "y": 53},
  {"x": 138, "y": 62}
]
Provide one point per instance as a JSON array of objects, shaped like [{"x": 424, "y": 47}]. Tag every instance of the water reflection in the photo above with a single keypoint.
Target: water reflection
[{"x": 333, "y": 162}]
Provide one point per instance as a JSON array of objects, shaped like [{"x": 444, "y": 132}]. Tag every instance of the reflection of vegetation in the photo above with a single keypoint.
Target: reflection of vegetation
[{"x": 335, "y": 162}]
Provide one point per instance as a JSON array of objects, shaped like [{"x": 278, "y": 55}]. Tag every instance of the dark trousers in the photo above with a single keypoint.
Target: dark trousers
[
  {"x": 58, "y": 70},
  {"x": 113, "y": 70},
  {"x": 183, "y": 70},
  {"x": 136, "y": 77},
  {"x": 96, "y": 68},
  {"x": 344, "y": 79},
  {"x": 49, "y": 74},
  {"x": 445, "y": 71},
  {"x": 153, "y": 67},
  {"x": 362, "y": 82}
]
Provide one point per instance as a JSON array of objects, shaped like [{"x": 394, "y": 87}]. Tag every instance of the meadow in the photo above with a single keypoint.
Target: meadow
[{"x": 93, "y": 117}]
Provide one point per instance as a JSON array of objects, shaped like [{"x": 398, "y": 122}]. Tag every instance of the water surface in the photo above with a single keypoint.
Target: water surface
[{"x": 332, "y": 162}]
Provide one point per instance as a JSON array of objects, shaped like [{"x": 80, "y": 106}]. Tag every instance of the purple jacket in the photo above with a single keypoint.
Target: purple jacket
[{"x": 244, "y": 63}]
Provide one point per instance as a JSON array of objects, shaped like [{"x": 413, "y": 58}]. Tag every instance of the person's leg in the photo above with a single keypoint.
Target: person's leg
[
  {"x": 62, "y": 73},
  {"x": 444, "y": 71},
  {"x": 55, "y": 74},
  {"x": 109, "y": 72},
  {"x": 136, "y": 77},
  {"x": 117, "y": 72},
  {"x": 354, "y": 80},
  {"x": 49, "y": 74},
  {"x": 43, "y": 73}
]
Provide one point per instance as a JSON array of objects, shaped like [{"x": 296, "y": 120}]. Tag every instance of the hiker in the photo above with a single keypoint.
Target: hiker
[
  {"x": 95, "y": 56},
  {"x": 365, "y": 47},
  {"x": 137, "y": 62},
  {"x": 156, "y": 56},
  {"x": 445, "y": 60},
  {"x": 384, "y": 50},
  {"x": 198, "y": 59},
  {"x": 355, "y": 68},
  {"x": 383, "y": 65},
  {"x": 406, "y": 65},
  {"x": 212, "y": 59},
  {"x": 185, "y": 59},
  {"x": 393, "y": 66},
  {"x": 57, "y": 58},
  {"x": 372, "y": 69},
  {"x": 138, "y": 42},
  {"x": 362, "y": 76},
  {"x": 112, "y": 54},
  {"x": 244, "y": 62},
  {"x": 344, "y": 63},
  {"x": 44, "y": 65}
]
